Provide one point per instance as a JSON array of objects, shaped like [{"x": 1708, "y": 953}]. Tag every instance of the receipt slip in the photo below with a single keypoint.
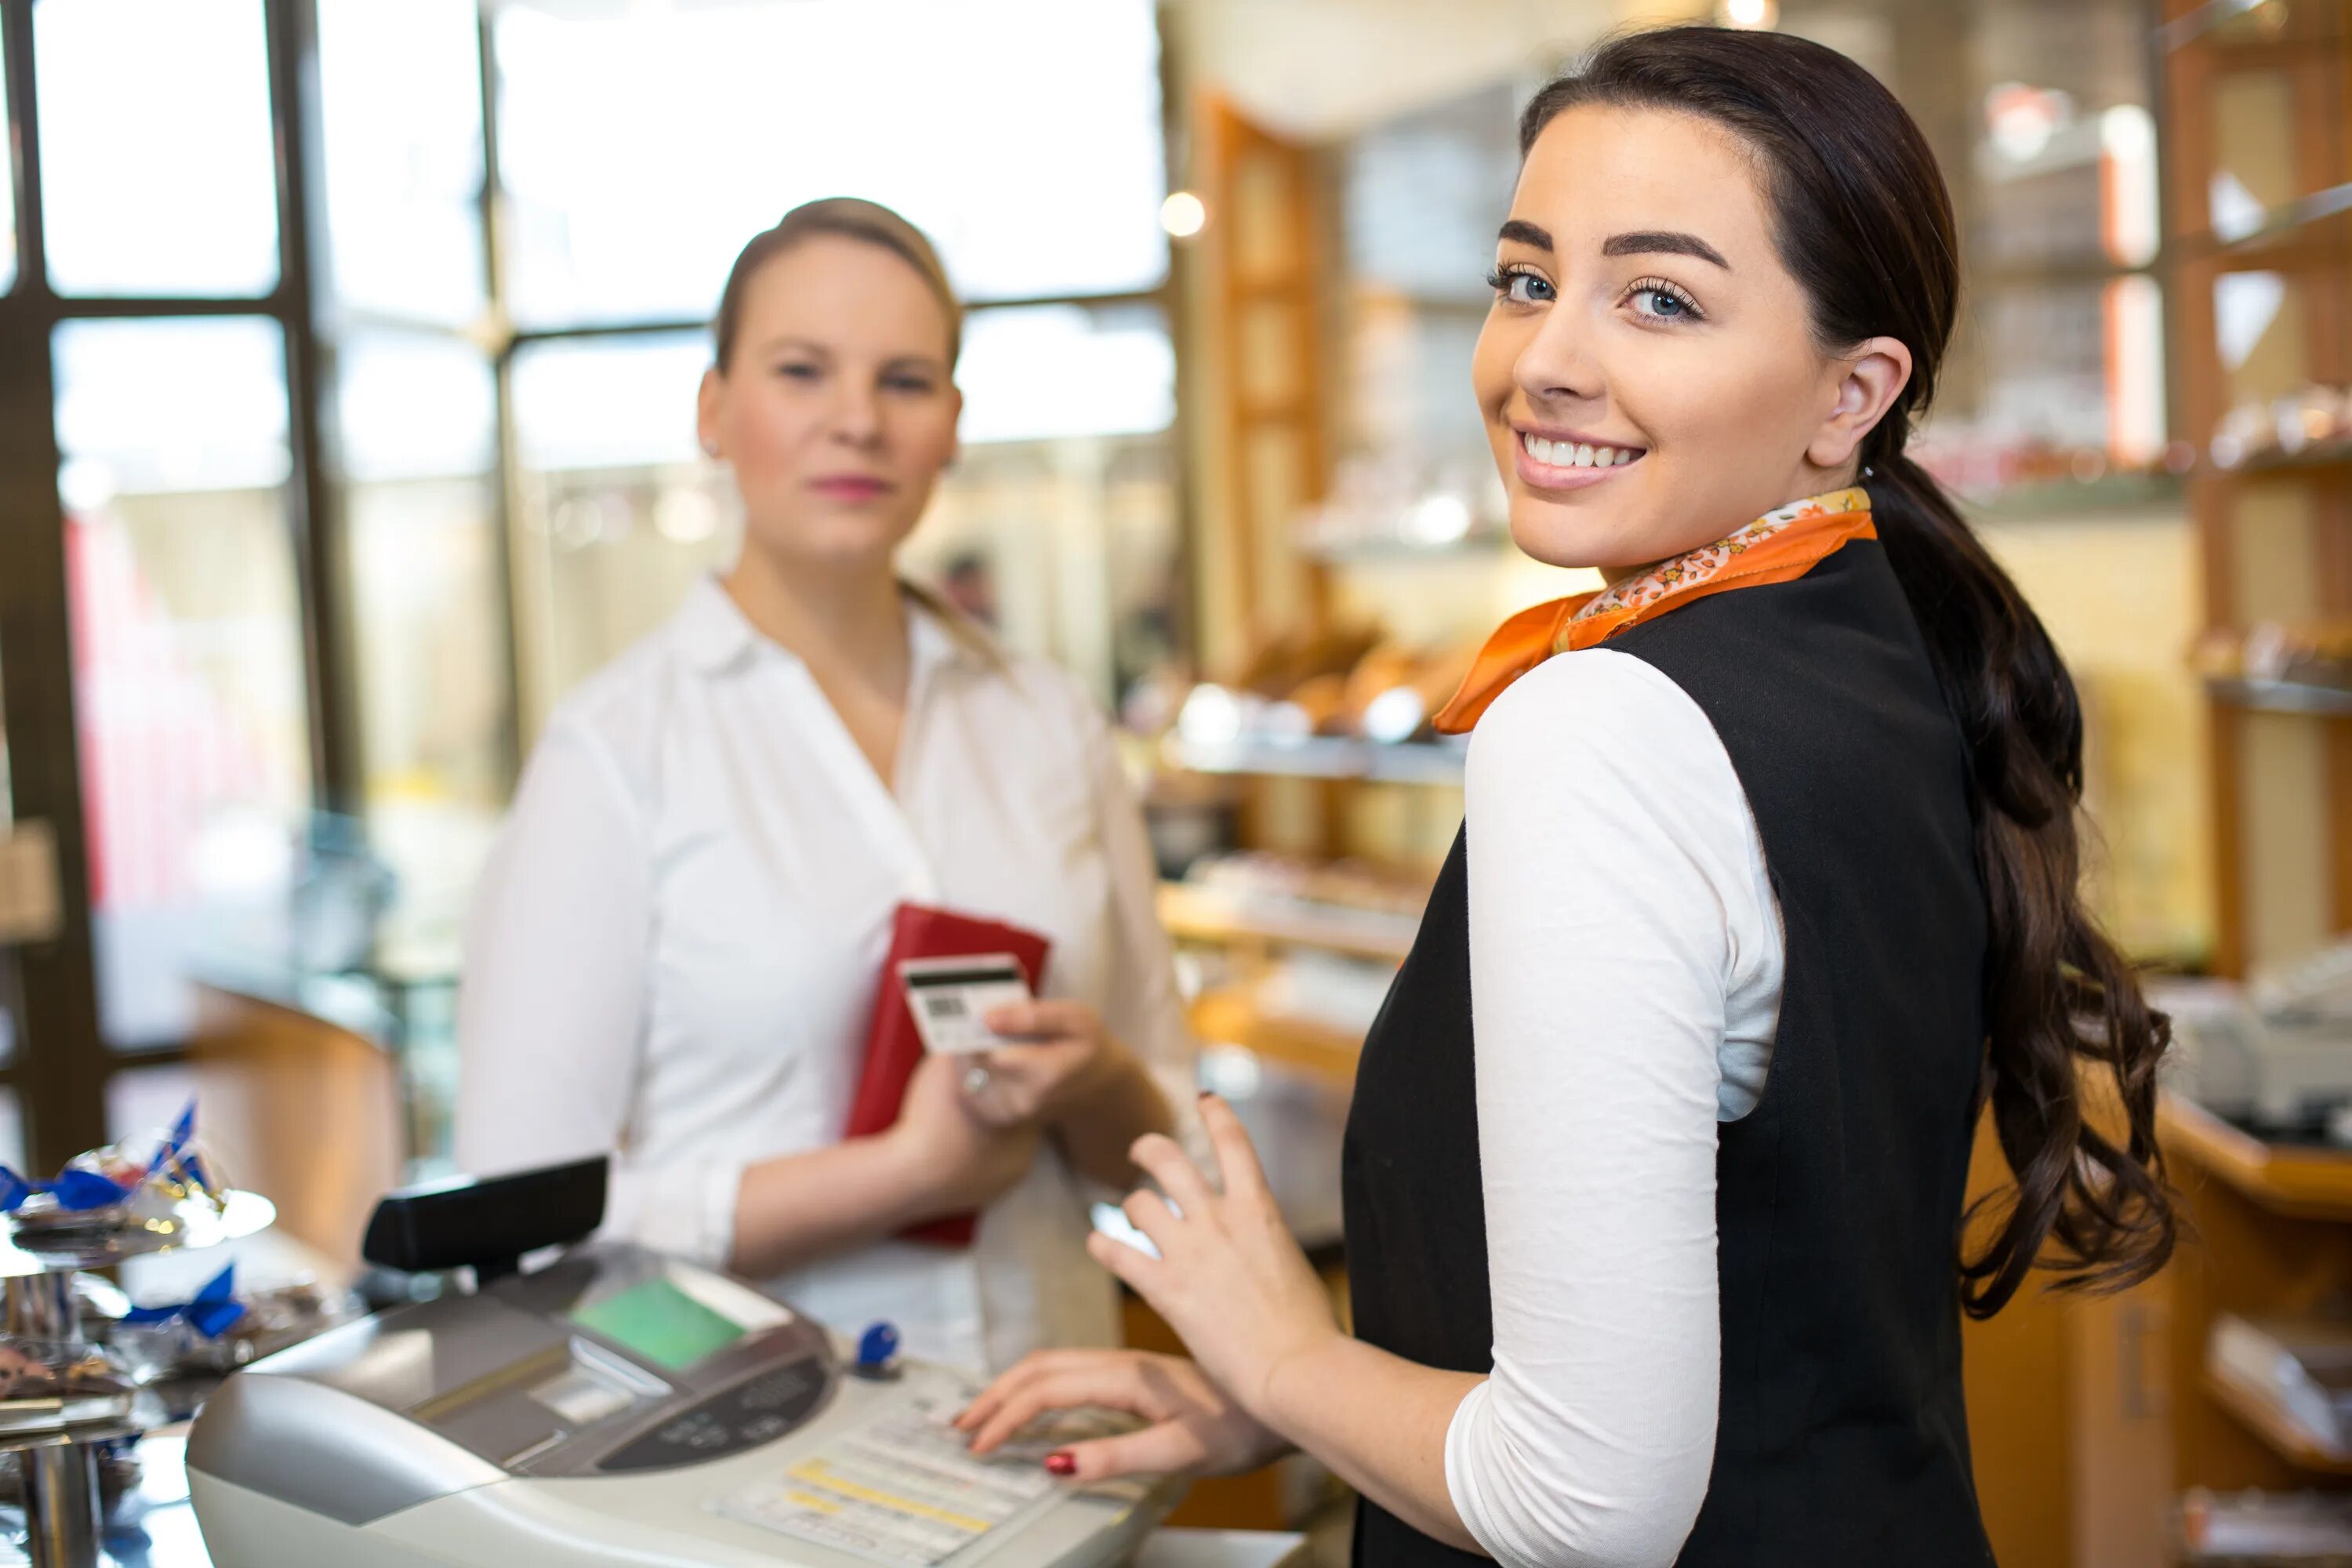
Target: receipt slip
[{"x": 950, "y": 996}]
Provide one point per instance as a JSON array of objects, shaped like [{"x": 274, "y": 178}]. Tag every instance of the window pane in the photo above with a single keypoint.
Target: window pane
[
  {"x": 1065, "y": 370},
  {"x": 1419, "y": 196},
  {"x": 401, "y": 107},
  {"x": 141, "y": 1103},
  {"x": 157, "y": 161},
  {"x": 188, "y": 672},
  {"x": 12, "y": 1007},
  {"x": 640, "y": 151},
  {"x": 12, "y": 1130},
  {"x": 7, "y": 190},
  {"x": 416, "y": 421},
  {"x": 619, "y": 511},
  {"x": 1059, "y": 525}
]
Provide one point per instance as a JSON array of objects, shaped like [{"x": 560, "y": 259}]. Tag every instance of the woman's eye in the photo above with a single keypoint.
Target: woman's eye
[
  {"x": 799, "y": 370},
  {"x": 1662, "y": 304},
  {"x": 907, "y": 383},
  {"x": 1523, "y": 288}
]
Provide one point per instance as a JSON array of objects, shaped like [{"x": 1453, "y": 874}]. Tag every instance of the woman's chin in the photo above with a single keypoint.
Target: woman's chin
[
  {"x": 832, "y": 543},
  {"x": 1571, "y": 538}
]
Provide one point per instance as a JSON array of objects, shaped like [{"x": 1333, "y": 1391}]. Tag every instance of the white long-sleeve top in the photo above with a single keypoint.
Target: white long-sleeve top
[
  {"x": 674, "y": 946},
  {"x": 1625, "y": 970}
]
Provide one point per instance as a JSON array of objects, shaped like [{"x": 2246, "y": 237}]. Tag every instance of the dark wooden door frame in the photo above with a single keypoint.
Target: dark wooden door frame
[{"x": 61, "y": 1065}]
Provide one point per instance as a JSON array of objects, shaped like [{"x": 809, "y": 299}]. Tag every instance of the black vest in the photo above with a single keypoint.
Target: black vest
[{"x": 1841, "y": 1438}]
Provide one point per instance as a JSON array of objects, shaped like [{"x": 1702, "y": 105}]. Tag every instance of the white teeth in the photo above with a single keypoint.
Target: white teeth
[{"x": 1576, "y": 455}]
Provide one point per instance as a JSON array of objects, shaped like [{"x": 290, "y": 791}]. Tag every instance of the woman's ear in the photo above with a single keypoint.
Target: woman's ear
[
  {"x": 706, "y": 412},
  {"x": 1870, "y": 380}
]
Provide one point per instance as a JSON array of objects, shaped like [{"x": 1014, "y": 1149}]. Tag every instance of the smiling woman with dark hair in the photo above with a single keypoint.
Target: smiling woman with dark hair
[{"x": 1767, "y": 886}]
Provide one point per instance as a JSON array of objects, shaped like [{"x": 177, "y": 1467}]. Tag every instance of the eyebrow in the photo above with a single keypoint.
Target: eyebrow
[
  {"x": 1662, "y": 242},
  {"x": 1640, "y": 242},
  {"x": 811, "y": 346}
]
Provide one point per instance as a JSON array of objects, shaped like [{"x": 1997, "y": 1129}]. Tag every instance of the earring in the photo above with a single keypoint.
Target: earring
[{"x": 1866, "y": 469}]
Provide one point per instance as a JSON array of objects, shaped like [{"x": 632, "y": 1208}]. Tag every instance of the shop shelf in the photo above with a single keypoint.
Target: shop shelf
[
  {"x": 2036, "y": 500},
  {"x": 2279, "y": 1435},
  {"x": 1233, "y": 1018},
  {"x": 2302, "y": 1181},
  {"x": 2254, "y": 24},
  {"x": 2314, "y": 228},
  {"x": 1208, "y": 914},
  {"x": 2318, "y": 455},
  {"x": 2282, "y": 697},
  {"x": 1326, "y": 757}
]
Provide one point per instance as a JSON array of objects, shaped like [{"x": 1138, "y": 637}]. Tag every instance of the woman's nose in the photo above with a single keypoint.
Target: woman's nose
[
  {"x": 856, "y": 417},
  {"x": 1557, "y": 365}
]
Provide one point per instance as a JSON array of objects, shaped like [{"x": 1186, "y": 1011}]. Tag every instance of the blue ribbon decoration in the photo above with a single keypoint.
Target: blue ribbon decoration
[
  {"x": 78, "y": 1190},
  {"x": 176, "y": 1146},
  {"x": 212, "y": 1313},
  {"x": 75, "y": 1191}
]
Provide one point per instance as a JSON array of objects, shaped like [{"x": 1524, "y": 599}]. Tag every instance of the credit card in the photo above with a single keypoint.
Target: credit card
[
  {"x": 950, "y": 996},
  {"x": 1112, "y": 1221}
]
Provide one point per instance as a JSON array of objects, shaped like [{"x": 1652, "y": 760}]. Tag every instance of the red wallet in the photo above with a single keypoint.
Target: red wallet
[{"x": 893, "y": 1045}]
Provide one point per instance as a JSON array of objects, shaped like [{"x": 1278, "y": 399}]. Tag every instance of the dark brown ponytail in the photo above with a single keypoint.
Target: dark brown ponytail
[{"x": 1865, "y": 223}]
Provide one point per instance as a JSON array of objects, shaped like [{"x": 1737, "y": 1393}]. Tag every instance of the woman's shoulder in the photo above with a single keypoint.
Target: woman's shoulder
[
  {"x": 1595, "y": 704},
  {"x": 616, "y": 714}
]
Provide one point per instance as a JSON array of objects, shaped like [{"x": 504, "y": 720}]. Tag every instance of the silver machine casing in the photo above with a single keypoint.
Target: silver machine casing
[{"x": 493, "y": 1430}]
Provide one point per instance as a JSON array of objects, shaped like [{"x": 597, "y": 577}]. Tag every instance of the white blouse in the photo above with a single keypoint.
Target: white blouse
[
  {"x": 676, "y": 943},
  {"x": 1625, "y": 968}
]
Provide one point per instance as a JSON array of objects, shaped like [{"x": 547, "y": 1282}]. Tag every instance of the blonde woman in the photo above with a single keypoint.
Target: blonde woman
[{"x": 676, "y": 944}]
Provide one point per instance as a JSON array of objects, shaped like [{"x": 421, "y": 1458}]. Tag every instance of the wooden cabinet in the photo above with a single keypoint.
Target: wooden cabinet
[{"x": 2090, "y": 1415}]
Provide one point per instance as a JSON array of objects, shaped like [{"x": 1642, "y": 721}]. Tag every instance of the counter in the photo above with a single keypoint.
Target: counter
[{"x": 156, "y": 1527}]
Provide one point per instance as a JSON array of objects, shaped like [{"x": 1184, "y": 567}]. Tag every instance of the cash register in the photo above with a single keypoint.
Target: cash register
[{"x": 614, "y": 1406}]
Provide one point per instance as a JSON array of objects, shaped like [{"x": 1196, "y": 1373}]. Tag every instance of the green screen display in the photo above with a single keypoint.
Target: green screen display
[{"x": 660, "y": 1322}]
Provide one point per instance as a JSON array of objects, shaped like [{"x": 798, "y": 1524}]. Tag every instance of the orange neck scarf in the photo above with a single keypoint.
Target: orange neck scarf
[{"x": 1779, "y": 547}]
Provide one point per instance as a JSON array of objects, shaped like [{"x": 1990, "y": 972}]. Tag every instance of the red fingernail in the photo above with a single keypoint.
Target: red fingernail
[{"x": 1061, "y": 1464}]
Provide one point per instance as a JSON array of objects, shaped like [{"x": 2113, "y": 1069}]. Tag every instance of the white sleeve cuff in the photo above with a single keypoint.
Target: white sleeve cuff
[
  {"x": 686, "y": 1210},
  {"x": 1462, "y": 1473}
]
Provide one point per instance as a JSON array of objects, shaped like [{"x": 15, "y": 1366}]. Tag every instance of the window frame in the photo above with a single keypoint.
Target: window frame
[{"x": 62, "y": 1066}]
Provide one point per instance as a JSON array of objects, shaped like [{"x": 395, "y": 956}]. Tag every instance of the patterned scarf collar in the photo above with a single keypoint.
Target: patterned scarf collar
[{"x": 1779, "y": 547}]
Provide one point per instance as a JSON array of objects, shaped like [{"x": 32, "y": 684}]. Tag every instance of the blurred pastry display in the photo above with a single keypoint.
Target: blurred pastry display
[
  {"x": 2263, "y": 1529},
  {"x": 1262, "y": 877},
  {"x": 1351, "y": 683},
  {"x": 176, "y": 1345},
  {"x": 2315, "y": 416},
  {"x": 48, "y": 1383},
  {"x": 2309, "y": 653}
]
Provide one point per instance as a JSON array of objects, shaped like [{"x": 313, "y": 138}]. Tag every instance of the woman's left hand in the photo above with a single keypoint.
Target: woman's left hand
[
  {"x": 1059, "y": 1053},
  {"x": 1230, "y": 1278}
]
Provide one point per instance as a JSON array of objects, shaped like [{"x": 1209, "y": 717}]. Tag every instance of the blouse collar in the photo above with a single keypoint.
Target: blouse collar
[
  {"x": 1783, "y": 544},
  {"x": 714, "y": 634}
]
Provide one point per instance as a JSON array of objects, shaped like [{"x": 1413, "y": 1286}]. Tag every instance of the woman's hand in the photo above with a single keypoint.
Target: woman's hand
[
  {"x": 949, "y": 1151},
  {"x": 1230, "y": 1279},
  {"x": 1196, "y": 1430},
  {"x": 1060, "y": 1054}
]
